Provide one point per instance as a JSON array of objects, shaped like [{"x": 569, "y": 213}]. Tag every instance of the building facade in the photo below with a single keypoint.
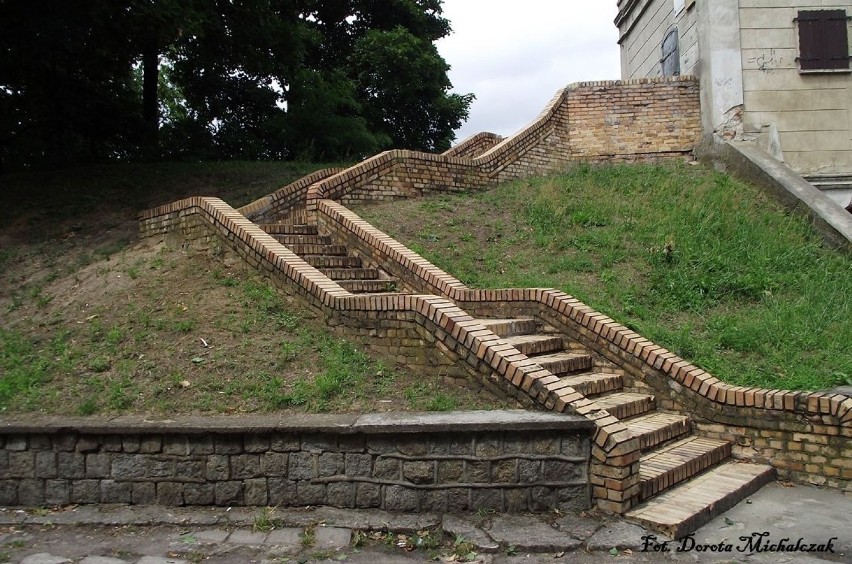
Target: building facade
[{"x": 776, "y": 71}]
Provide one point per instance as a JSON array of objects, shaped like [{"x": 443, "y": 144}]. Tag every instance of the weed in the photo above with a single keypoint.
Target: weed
[
  {"x": 463, "y": 550},
  {"x": 88, "y": 406},
  {"x": 441, "y": 402},
  {"x": 309, "y": 536},
  {"x": 265, "y": 521},
  {"x": 183, "y": 325},
  {"x": 99, "y": 364}
]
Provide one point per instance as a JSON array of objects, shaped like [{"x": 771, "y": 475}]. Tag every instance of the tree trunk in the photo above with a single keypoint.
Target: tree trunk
[{"x": 150, "y": 101}]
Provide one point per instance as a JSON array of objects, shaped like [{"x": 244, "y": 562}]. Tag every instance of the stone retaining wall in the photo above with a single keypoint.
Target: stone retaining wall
[{"x": 501, "y": 460}]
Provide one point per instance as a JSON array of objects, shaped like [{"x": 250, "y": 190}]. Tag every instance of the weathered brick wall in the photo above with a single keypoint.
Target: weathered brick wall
[
  {"x": 286, "y": 198},
  {"x": 474, "y": 145},
  {"x": 646, "y": 119},
  {"x": 634, "y": 119},
  {"x": 504, "y": 461}
]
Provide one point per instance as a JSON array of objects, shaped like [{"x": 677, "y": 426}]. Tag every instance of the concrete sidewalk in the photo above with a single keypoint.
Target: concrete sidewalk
[{"x": 766, "y": 528}]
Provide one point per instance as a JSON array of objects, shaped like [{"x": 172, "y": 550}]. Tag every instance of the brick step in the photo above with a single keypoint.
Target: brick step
[
  {"x": 282, "y": 229},
  {"x": 685, "y": 508},
  {"x": 672, "y": 464},
  {"x": 369, "y": 286},
  {"x": 563, "y": 362},
  {"x": 536, "y": 344},
  {"x": 322, "y": 261},
  {"x": 656, "y": 429},
  {"x": 327, "y": 250},
  {"x": 351, "y": 273},
  {"x": 303, "y": 239},
  {"x": 622, "y": 405},
  {"x": 594, "y": 383},
  {"x": 510, "y": 327}
]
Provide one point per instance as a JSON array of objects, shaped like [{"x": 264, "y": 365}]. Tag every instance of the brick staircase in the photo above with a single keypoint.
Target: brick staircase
[
  {"x": 685, "y": 479},
  {"x": 333, "y": 260}
]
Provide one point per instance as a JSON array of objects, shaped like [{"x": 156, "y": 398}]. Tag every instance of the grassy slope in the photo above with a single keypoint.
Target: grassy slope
[
  {"x": 691, "y": 259},
  {"x": 93, "y": 323}
]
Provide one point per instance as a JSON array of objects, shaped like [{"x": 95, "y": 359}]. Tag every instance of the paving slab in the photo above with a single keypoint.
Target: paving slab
[
  {"x": 243, "y": 536},
  {"x": 102, "y": 560},
  {"x": 44, "y": 558},
  {"x": 577, "y": 526},
  {"x": 619, "y": 535},
  {"x": 460, "y": 527},
  {"x": 160, "y": 560},
  {"x": 332, "y": 538},
  {"x": 212, "y": 535},
  {"x": 289, "y": 537},
  {"x": 527, "y": 534}
]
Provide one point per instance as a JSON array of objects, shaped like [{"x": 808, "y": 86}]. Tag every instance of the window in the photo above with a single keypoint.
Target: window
[
  {"x": 671, "y": 54},
  {"x": 823, "y": 43}
]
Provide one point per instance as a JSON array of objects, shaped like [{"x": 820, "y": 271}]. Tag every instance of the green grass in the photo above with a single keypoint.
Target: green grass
[{"x": 702, "y": 264}]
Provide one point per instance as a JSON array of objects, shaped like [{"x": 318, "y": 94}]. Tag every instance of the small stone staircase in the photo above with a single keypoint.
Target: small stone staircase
[
  {"x": 685, "y": 479},
  {"x": 331, "y": 259}
]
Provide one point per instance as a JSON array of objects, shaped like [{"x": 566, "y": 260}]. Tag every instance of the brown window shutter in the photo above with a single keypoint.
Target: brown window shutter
[{"x": 823, "y": 43}]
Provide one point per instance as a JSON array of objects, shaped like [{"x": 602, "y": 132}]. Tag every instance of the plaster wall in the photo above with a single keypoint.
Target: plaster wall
[
  {"x": 806, "y": 114},
  {"x": 641, "y": 34}
]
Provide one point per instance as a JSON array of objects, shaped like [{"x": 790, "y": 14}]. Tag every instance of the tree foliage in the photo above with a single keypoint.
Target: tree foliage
[{"x": 94, "y": 80}]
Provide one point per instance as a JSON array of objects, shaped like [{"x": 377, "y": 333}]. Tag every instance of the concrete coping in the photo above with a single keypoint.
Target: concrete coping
[{"x": 349, "y": 424}]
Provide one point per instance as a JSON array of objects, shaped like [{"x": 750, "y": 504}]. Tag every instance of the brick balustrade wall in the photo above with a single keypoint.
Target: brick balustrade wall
[
  {"x": 503, "y": 460},
  {"x": 474, "y": 145},
  {"x": 650, "y": 119},
  {"x": 286, "y": 198},
  {"x": 805, "y": 435}
]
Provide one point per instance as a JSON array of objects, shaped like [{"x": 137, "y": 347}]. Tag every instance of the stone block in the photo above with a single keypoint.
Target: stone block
[
  {"x": 115, "y": 492},
  {"x": 310, "y": 494},
  {"x": 433, "y": 501},
  {"x": 8, "y": 492},
  {"x": 176, "y": 445},
  {"x": 350, "y": 443},
  {"x": 399, "y": 499},
  {"x": 463, "y": 445},
  {"x": 285, "y": 443},
  {"x": 21, "y": 464},
  {"x": 517, "y": 500},
  {"x": 358, "y": 464},
  {"x": 130, "y": 444},
  {"x": 40, "y": 442},
  {"x": 201, "y": 445},
  {"x": 110, "y": 443},
  {"x": 199, "y": 494},
  {"x": 542, "y": 499},
  {"x": 245, "y": 466},
  {"x": 227, "y": 444},
  {"x": 98, "y": 465},
  {"x": 31, "y": 493},
  {"x": 419, "y": 472},
  {"x": 368, "y": 495},
  {"x": 45, "y": 464},
  {"x": 574, "y": 499},
  {"x": 85, "y": 491},
  {"x": 169, "y": 493},
  {"x": 486, "y": 499},
  {"x": 218, "y": 467},
  {"x": 255, "y": 492},
  {"x": 256, "y": 443},
  {"x": 545, "y": 445},
  {"x": 57, "y": 492},
  {"x": 318, "y": 442},
  {"x": 330, "y": 464},
  {"x": 450, "y": 471},
  {"x": 190, "y": 469},
  {"x": 129, "y": 466},
  {"x": 281, "y": 491},
  {"x": 504, "y": 471},
  {"x": 487, "y": 446},
  {"x": 575, "y": 446},
  {"x": 65, "y": 442},
  {"x": 16, "y": 443},
  {"x": 143, "y": 493},
  {"x": 229, "y": 493},
  {"x": 477, "y": 472},
  {"x": 560, "y": 471},
  {"x": 88, "y": 443},
  {"x": 411, "y": 446},
  {"x": 386, "y": 468},
  {"x": 340, "y": 494},
  {"x": 301, "y": 466}
]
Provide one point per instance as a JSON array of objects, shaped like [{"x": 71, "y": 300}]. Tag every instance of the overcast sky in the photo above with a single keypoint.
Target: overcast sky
[{"x": 515, "y": 55}]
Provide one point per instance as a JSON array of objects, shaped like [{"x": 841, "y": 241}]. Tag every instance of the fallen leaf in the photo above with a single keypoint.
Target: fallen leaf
[
  {"x": 197, "y": 360},
  {"x": 185, "y": 384}
]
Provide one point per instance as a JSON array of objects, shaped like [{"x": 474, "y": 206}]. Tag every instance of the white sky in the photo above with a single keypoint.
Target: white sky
[{"x": 515, "y": 55}]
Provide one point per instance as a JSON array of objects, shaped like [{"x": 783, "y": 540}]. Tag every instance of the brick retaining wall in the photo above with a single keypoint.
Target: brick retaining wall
[{"x": 500, "y": 460}]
